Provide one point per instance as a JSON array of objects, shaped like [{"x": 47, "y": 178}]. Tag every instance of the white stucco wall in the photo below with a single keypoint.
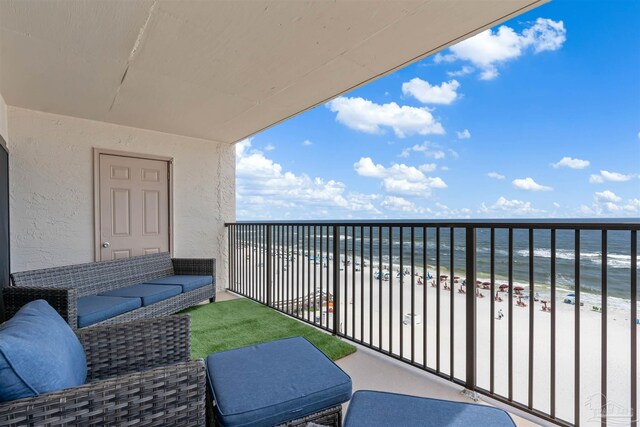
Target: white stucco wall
[
  {"x": 3, "y": 119},
  {"x": 52, "y": 218}
]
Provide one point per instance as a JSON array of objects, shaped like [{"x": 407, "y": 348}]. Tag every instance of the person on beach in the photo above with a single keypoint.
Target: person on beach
[{"x": 500, "y": 314}]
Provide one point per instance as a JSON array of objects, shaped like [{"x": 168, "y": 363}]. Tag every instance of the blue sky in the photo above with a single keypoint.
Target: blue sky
[{"x": 538, "y": 117}]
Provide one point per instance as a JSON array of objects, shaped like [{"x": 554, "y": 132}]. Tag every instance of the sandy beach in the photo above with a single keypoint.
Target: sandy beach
[{"x": 379, "y": 312}]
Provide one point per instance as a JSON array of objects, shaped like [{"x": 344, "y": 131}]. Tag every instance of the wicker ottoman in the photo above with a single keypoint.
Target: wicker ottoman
[
  {"x": 373, "y": 408},
  {"x": 285, "y": 382}
]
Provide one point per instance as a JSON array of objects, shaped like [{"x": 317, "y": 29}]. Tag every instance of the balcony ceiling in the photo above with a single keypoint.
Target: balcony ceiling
[{"x": 219, "y": 70}]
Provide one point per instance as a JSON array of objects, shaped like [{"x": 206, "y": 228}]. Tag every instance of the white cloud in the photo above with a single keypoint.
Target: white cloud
[
  {"x": 427, "y": 148},
  {"x": 269, "y": 147},
  {"x": 608, "y": 204},
  {"x": 465, "y": 134},
  {"x": 366, "y": 167},
  {"x": 399, "y": 204},
  {"x": 444, "y": 168},
  {"x": 509, "y": 207},
  {"x": 489, "y": 49},
  {"x": 568, "y": 162},
  {"x": 608, "y": 196},
  {"x": 366, "y": 116},
  {"x": 609, "y": 176},
  {"x": 428, "y": 167},
  {"x": 399, "y": 179},
  {"x": 529, "y": 184},
  {"x": 495, "y": 175},
  {"x": 466, "y": 69},
  {"x": 426, "y": 93},
  {"x": 265, "y": 189},
  {"x": 454, "y": 154},
  {"x": 307, "y": 142},
  {"x": 638, "y": 135}
]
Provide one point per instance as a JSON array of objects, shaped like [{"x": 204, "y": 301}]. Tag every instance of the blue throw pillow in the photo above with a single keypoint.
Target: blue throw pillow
[{"x": 39, "y": 353}]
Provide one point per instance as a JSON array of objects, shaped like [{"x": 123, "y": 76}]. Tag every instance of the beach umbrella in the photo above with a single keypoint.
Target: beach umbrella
[
  {"x": 518, "y": 288},
  {"x": 486, "y": 284},
  {"x": 478, "y": 282},
  {"x": 456, "y": 278},
  {"x": 443, "y": 277}
]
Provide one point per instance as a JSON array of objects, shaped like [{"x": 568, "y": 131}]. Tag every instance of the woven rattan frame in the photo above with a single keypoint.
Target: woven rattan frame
[
  {"x": 139, "y": 374},
  {"x": 61, "y": 286}
]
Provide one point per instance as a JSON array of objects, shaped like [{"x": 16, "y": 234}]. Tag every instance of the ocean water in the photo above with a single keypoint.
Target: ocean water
[{"x": 366, "y": 244}]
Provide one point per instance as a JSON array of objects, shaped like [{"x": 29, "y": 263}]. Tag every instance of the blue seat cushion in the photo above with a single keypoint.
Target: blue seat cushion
[
  {"x": 187, "y": 282},
  {"x": 373, "y": 408},
  {"x": 149, "y": 294},
  {"x": 271, "y": 383},
  {"x": 39, "y": 353},
  {"x": 93, "y": 309}
]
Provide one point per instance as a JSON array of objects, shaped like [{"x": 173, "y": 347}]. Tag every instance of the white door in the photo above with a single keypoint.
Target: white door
[{"x": 134, "y": 206}]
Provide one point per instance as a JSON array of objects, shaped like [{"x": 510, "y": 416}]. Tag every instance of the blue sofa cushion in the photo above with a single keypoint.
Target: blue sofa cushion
[
  {"x": 373, "y": 408},
  {"x": 271, "y": 383},
  {"x": 93, "y": 309},
  {"x": 39, "y": 353},
  {"x": 149, "y": 294},
  {"x": 187, "y": 282}
]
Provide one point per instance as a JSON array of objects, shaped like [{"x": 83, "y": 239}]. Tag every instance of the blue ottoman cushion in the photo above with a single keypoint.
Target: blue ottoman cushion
[
  {"x": 187, "y": 282},
  {"x": 39, "y": 353},
  {"x": 93, "y": 309},
  {"x": 271, "y": 383},
  {"x": 374, "y": 408},
  {"x": 149, "y": 294}
]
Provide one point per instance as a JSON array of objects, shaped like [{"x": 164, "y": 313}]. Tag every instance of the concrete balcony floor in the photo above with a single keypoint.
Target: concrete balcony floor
[{"x": 370, "y": 370}]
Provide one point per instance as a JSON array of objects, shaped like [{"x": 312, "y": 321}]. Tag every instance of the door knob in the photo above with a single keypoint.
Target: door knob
[{"x": 105, "y": 245}]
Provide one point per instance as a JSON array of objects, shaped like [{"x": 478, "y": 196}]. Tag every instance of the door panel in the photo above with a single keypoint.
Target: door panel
[{"x": 134, "y": 206}]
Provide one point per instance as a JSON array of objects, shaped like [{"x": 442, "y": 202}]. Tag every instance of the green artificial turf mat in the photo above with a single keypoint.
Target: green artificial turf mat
[{"x": 240, "y": 322}]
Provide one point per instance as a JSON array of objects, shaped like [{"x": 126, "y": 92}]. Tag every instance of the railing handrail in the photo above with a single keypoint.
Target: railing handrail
[{"x": 604, "y": 224}]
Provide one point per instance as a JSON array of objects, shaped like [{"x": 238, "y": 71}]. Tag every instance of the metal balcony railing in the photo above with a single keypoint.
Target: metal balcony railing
[{"x": 539, "y": 315}]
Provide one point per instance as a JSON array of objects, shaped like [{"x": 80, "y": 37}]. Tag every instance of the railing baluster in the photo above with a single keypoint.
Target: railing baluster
[
  {"x": 401, "y": 311},
  {"x": 353, "y": 282},
  {"x": 390, "y": 289},
  {"x": 425, "y": 280},
  {"x": 552, "y": 394},
  {"x": 452, "y": 343},
  {"x": 336, "y": 279},
  {"x": 492, "y": 332},
  {"x": 380, "y": 288},
  {"x": 510, "y": 327},
  {"x": 328, "y": 287},
  {"x": 531, "y": 313},
  {"x": 413, "y": 294},
  {"x": 470, "y": 267},
  {"x": 576, "y": 365},
  {"x": 634, "y": 327},
  {"x": 603, "y": 339},
  {"x": 438, "y": 299},
  {"x": 361, "y": 285},
  {"x": 345, "y": 328},
  {"x": 315, "y": 273},
  {"x": 370, "y": 285}
]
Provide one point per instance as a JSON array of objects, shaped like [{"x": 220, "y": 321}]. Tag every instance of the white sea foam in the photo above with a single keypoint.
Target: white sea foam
[{"x": 613, "y": 260}]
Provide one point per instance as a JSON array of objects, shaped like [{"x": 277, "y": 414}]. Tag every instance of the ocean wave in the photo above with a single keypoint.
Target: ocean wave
[{"x": 613, "y": 260}]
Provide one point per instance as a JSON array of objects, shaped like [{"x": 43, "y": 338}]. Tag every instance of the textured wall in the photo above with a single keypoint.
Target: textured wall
[{"x": 52, "y": 188}]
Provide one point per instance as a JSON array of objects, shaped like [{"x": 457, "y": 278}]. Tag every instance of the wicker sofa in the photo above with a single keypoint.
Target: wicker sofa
[
  {"x": 139, "y": 373},
  {"x": 76, "y": 289}
]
